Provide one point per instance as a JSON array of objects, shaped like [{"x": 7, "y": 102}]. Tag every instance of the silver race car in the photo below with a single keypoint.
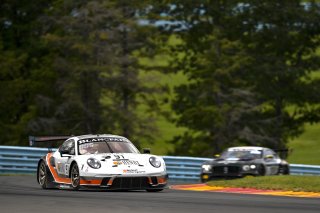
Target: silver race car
[
  {"x": 105, "y": 161},
  {"x": 242, "y": 161}
]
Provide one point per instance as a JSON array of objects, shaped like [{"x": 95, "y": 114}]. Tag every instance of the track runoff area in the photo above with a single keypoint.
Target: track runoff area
[{"x": 206, "y": 188}]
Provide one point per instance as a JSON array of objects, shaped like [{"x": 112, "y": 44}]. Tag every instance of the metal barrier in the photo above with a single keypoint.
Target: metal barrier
[
  {"x": 23, "y": 160},
  {"x": 20, "y": 160},
  {"x": 301, "y": 169},
  {"x": 184, "y": 169}
]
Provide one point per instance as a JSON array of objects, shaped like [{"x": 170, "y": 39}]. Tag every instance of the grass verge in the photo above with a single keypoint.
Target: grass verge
[
  {"x": 306, "y": 148},
  {"x": 286, "y": 183}
]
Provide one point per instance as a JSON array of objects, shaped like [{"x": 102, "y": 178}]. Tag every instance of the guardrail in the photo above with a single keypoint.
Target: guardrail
[
  {"x": 23, "y": 160},
  {"x": 184, "y": 169},
  {"x": 20, "y": 160},
  {"x": 301, "y": 169}
]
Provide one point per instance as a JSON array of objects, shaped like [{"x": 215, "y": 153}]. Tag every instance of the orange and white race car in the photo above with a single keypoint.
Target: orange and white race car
[{"x": 105, "y": 161}]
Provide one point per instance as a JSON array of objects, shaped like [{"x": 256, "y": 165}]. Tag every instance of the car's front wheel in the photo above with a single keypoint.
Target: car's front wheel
[
  {"x": 75, "y": 177},
  {"x": 284, "y": 170},
  {"x": 43, "y": 175}
]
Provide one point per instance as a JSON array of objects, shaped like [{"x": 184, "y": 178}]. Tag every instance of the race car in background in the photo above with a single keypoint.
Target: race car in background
[
  {"x": 243, "y": 161},
  {"x": 105, "y": 161}
]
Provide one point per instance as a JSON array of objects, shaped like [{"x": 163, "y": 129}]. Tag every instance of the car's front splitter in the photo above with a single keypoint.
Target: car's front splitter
[
  {"x": 120, "y": 182},
  {"x": 209, "y": 176}
]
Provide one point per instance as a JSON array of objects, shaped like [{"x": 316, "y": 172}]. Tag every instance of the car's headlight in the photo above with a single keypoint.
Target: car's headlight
[
  {"x": 155, "y": 162},
  {"x": 246, "y": 168},
  {"x": 94, "y": 163},
  {"x": 253, "y": 166},
  {"x": 206, "y": 168}
]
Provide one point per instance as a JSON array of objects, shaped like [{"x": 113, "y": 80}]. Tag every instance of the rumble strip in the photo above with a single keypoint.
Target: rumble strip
[{"x": 205, "y": 187}]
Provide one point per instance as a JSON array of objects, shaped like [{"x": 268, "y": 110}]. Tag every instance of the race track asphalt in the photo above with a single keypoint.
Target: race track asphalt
[{"x": 23, "y": 194}]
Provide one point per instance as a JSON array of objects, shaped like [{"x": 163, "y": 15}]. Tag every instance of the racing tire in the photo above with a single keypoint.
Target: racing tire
[
  {"x": 75, "y": 177},
  {"x": 154, "y": 190},
  {"x": 284, "y": 170},
  {"x": 262, "y": 170},
  {"x": 42, "y": 175}
]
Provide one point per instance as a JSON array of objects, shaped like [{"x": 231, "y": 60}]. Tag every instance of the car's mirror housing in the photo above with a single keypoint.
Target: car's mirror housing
[
  {"x": 65, "y": 153},
  {"x": 269, "y": 157},
  {"x": 146, "y": 150}
]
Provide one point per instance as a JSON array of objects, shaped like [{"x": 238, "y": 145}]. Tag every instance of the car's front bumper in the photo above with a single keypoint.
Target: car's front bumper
[
  {"x": 226, "y": 172},
  {"x": 126, "y": 182}
]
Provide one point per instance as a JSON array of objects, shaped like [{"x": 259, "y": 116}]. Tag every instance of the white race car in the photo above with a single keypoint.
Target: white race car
[{"x": 106, "y": 161}]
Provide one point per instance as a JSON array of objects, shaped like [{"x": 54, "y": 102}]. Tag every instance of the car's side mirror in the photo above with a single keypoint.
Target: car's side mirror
[
  {"x": 216, "y": 155},
  {"x": 146, "y": 150},
  {"x": 64, "y": 153},
  {"x": 269, "y": 157}
]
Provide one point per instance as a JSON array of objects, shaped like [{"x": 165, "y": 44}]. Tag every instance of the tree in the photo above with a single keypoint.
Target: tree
[
  {"x": 21, "y": 55},
  {"x": 71, "y": 67},
  {"x": 96, "y": 46},
  {"x": 248, "y": 65},
  {"x": 283, "y": 45}
]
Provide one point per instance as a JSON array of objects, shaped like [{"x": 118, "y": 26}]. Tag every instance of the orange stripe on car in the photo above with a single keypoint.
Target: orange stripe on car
[
  {"x": 90, "y": 182},
  {"x": 54, "y": 173},
  {"x": 59, "y": 179}
]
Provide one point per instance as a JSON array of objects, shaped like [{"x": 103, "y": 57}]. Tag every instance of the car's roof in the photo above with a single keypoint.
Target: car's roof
[
  {"x": 246, "y": 148},
  {"x": 98, "y": 135}
]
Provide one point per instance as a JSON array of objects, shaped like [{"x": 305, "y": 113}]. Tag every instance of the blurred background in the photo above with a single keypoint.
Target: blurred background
[{"x": 186, "y": 78}]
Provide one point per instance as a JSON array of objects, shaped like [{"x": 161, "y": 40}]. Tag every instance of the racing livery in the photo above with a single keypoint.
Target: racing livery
[
  {"x": 242, "y": 161},
  {"x": 105, "y": 161}
]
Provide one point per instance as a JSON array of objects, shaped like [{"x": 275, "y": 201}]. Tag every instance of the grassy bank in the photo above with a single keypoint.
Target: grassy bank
[
  {"x": 306, "y": 148},
  {"x": 287, "y": 183}
]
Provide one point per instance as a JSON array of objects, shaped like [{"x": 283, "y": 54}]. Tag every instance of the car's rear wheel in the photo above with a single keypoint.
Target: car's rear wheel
[
  {"x": 154, "y": 190},
  {"x": 43, "y": 175},
  {"x": 75, "y": 177}
]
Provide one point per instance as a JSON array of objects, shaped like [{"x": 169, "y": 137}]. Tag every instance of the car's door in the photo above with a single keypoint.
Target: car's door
[
  {"x": 67, "y": 151},
  {"x": 271, "y": 161}
]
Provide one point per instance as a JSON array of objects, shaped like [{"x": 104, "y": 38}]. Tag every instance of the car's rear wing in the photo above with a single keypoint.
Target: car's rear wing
[{"x": 41, "y": 139}]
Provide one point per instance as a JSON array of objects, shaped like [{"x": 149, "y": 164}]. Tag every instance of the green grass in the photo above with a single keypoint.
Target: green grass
[
  {"x": 306, "y": 148},
  {"x": 289, "y": 183}
]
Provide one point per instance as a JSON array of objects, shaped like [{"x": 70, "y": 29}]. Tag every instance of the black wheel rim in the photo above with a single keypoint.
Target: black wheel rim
[
  {"x": 75, "y": 179},
  {"x": 42, "y": 174}
]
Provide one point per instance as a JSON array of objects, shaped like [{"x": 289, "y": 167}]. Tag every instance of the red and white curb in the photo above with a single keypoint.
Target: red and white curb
[{"x": 207, "y": 188}]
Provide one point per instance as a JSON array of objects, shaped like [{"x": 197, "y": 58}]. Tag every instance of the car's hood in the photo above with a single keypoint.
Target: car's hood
[
  {"x": 222, "y": 161},
  {"x": 122, "y": 163},
  {"x": 117, "y": 156}
]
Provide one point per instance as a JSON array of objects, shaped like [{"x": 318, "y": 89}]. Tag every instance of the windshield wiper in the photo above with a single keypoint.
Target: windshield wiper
[{"x": 109, "y": 147}]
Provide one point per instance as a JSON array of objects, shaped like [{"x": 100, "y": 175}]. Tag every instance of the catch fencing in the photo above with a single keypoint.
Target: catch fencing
[{"x": 23, "y": 160}]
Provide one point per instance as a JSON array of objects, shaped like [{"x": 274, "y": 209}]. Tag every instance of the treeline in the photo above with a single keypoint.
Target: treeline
[{"x": 73, "y": 67}]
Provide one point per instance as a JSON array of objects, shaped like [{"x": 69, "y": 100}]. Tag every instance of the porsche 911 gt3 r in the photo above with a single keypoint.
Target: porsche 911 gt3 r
[
  {"x": 105, "y": 161},
  {"x": 242, "y": 161}
]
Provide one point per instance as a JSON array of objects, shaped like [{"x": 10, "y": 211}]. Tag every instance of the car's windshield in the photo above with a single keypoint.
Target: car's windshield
[
  {"x": 242, "y": 154},
  {"x": 107, "y": 147}
]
